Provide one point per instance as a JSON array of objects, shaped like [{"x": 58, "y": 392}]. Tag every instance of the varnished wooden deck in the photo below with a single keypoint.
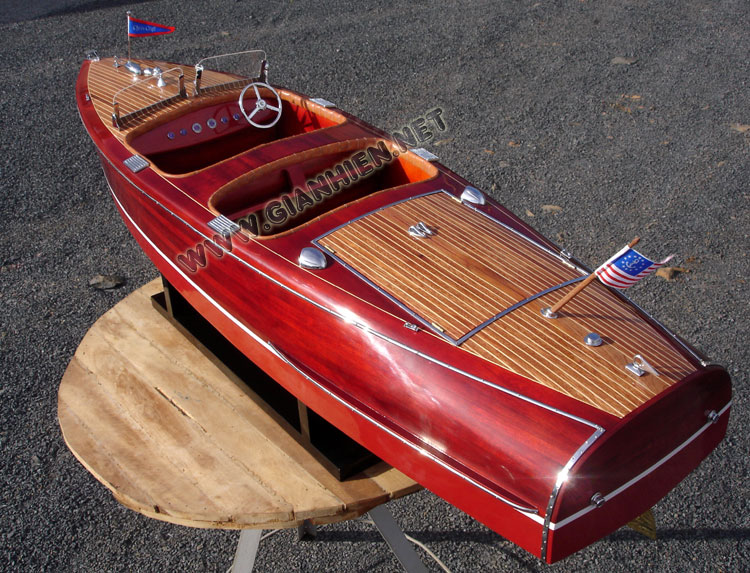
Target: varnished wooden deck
[
  {"x": 105, "y": 80},
  {"x": 472, "y": 268}
]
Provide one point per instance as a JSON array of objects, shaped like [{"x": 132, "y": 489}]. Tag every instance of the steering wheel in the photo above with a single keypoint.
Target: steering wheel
[{"x": 260, "y": 105}]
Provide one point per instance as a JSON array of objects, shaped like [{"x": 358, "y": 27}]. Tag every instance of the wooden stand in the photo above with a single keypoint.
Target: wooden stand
[
  {"x": 341, "y": 455},
  {"x": 177, "y": 436}
]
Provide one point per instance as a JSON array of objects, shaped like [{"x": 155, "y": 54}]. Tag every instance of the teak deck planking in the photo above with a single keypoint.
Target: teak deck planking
[
  {"x": 105, "y": 81},
  {"x": 177, "y": 437},
  {"x": 502, "y": 269}
]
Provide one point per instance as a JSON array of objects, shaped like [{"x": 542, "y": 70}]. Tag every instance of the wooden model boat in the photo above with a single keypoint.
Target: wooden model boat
[{"x": 400, "y": 303}]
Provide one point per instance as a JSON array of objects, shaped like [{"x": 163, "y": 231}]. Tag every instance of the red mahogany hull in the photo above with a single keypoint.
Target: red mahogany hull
[{"x": 518, "y": 455}]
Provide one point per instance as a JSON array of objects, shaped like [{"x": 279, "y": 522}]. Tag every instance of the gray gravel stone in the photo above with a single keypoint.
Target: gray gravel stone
[{"x": 539, "y": 112}]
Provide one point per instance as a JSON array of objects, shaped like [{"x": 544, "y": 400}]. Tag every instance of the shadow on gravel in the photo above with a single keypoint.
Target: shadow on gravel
[
  {"x": 487, "y": 538},
  {"x": 26, "y": 11},
  {"x": 427, "y": 537},
  {"x": 95, "y": 5},
  {"x": 705, "y": 533}
]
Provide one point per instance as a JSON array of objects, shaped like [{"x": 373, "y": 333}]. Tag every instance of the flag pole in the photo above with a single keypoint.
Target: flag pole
[
  {"x": 551, "y": 312},
  {"x": 128, "y": 13}
]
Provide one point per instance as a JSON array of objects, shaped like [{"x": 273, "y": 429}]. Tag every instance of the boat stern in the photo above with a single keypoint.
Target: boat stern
[{"x": 638, "y": 462}]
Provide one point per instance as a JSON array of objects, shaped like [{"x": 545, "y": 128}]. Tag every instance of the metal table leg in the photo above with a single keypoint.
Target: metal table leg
[
  {"x": 395, "y": 539},
  {"x": 247, "y": 550}
]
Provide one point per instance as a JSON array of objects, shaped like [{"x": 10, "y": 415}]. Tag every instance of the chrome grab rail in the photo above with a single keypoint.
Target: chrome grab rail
[
  {"x": 161, "y": 81},
  {"x": 260, "y": 60}
]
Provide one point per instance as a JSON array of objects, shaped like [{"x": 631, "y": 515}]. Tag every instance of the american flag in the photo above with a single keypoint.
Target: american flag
[{"x": 626, "y": 268}]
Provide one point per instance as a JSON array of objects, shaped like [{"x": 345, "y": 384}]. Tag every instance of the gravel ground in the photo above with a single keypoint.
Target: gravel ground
[{"x": 539, "y": 112}]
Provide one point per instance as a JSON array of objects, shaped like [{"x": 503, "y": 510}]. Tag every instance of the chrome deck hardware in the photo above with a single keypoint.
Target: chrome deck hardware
[
  {"x": 424, "y": 154},
  {"x": 547, "y": 312},
  {"x": 593, "y": 339},
  {"x": 136, "y": 163},
  {"x": 324, "y": 102},
  {"x": 157, "y": 71},
  {"x": 223, "y": 225},
  {"x": 92, "y": 56},
  {"x": 598, "y": 499},
  {"x": 133, "y": 68},
  {"x": 177, "y": 79},
  {"x": 639, "y": 366},
  {"x": 312, "y": 258},
  {"x": 420, "y": 230},
  {"x": 712, "y": 416},
  {"x": 473, "y": 195}
]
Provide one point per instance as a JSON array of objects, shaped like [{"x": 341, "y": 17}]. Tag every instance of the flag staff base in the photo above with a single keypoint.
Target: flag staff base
[
  {"x": 551, "y": 312},
  {"x": 547, "y": 311}
]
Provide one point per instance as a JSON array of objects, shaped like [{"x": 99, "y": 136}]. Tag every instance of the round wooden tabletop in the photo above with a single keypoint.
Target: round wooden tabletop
[{"x": 177, "y": 437}]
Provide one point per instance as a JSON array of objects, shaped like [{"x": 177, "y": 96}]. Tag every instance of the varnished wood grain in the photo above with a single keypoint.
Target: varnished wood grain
[
  {"x": 471, "y": 269},
  {"x": 174, "y": 436},
  {"x": 106, "y": 80}
]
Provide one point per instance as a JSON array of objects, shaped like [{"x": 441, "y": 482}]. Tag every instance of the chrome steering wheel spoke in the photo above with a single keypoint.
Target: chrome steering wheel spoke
[{"x": 260, "y": 105}]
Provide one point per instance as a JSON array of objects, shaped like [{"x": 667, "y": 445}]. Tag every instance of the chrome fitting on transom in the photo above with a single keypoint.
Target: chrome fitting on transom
[{"x": 598, "y": 500}]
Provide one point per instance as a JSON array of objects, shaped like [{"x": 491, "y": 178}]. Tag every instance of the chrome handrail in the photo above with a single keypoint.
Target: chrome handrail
[{"x": 160, "y": 81}]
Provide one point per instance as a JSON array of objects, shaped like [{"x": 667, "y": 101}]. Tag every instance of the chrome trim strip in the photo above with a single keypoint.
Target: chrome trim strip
[
  {"x": 424, "y": 154},
  {"x": 644, "y": 473},
  {"x": 519, "y": 304},
  {"x": 538, "y": 519},
  {"x": 402, "y": 306},
  {"x": 481, "y": 380},
  {"x": 386, "y": 429},
  {"x": 561, "y": 477}
]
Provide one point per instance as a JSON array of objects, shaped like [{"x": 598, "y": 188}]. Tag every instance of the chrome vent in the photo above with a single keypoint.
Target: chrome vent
[
  {"x": 312, "y": 258},
  {"x": 223, "y": 225},
  {"x": 473, "y": 195},
  {"x": 136, "y": 163}
]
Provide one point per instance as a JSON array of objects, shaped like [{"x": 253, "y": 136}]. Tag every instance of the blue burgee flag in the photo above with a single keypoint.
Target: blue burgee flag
[{"x": 137, "y": 28}]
